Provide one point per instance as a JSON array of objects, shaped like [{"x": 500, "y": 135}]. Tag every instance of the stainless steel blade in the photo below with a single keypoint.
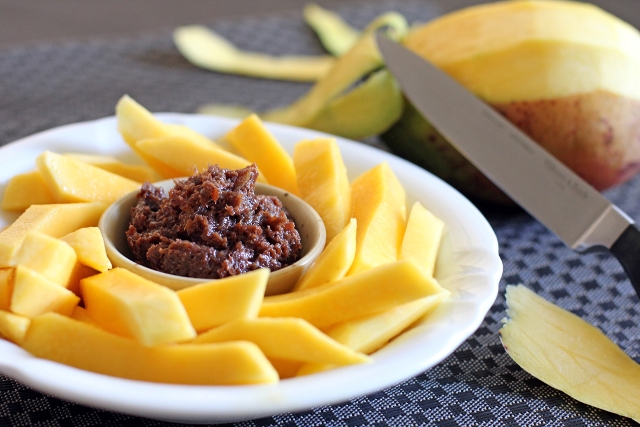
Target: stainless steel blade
[{"x": 542, "y": 185}]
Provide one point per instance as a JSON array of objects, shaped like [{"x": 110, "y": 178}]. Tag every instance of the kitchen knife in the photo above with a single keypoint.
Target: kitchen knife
[{"x": 551, "y": 192}]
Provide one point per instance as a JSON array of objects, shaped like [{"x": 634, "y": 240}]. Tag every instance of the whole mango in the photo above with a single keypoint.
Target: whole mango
[{"x": 566, "y": 73}]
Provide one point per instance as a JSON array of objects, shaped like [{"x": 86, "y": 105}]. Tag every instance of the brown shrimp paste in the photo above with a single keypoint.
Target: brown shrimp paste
[{"x": 212, "y": 225}]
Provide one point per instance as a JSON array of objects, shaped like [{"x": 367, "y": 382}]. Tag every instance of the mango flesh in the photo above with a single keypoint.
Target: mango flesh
[
  {"x": 50, "y": 295},
  {"x": 51, "y": 257},
  {"x": 255, "y": 143},
  {"x": 82, "y": 345},
  {"x": 138, "y": 173},
  {"x": 421, "y": 239},
  {"x": 334, "y": 262},
  {"x": 133, "y": 307},
  {"x": 378, "y": 204},
  {"x": 88, "y": 245},
  {"x": 285, "y": 338},
  {"x": 569, "y": 354},
  {"x": 71, "y": 180},
  {"x": 323, "y": 182},
  {"x": 24, "y": 190},
  {"x": 385, "y": 286},
  {"x": 213, "y": 303},
  {"x": 55, "y": 220},
  {"x": 564, "y": 72}
]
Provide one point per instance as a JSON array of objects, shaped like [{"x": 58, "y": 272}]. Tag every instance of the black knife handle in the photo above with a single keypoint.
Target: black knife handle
[{"x": 627, "y": 250}]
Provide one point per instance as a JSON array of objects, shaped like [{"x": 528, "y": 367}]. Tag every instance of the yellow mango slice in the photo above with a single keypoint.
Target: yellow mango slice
[
  {"x": 131, "y": 306},
  {"x": 136, "y": 123},
  {"x": 569, "y": 354},
  {"x": 138, "y": 173},
  {"x": 24, "y": 190},
  {"x": 34, "y": 294},
  {"x": 255, "y": 143},
  {"x": 334, "y": 262},
  {"x": 82, "y": 345},
  {"x": 219, "y": 301},
  {"x": 79, "y": 272},
  {"x": 13, "y": 326},
  {"x": 55, "y": 220},
  {"x": 323, "y": 182},
  {"x": 6, "y": 287},
  {"x": 73, "y": 181},
  {"x": 51, "y": 257},
  {"x": 88, "y": 244},
  {"x": 285, "y": 338},
  {"x": 185, "y": 156},
  {"x": 378, "y": 203},
  {"x": 370, "y": 333},
  {"x": 370, "y": 291},
  {"x": 422, "y": 237}
]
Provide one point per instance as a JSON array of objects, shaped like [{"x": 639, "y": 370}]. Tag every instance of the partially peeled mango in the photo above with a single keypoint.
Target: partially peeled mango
[{"x": 566, "y": 73}]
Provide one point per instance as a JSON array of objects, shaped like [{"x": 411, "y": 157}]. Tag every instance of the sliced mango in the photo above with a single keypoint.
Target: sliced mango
[
  {"x": 323, "y": 182},
  {"x": 421, "y": 240},
  {"x": 138, "y": 173},
  {"x": 334, "y": 262},
  {"x": 56, "y": 220},
  {"x": 378, "y": 203},
  {"x": 285, "y": 338},
  {"x": 73, "y": 181},
  {"x": 51, "y": 257},
  {"x": 6, "y": 287},
  {"x": 34, "y": 294},
  {"x": 370, "y": 291},
  {"x": 82, "y": 345},
  {"x": 131, "y": 306},
  {"x": 135, "y": 123},
  {"x": 255, "y": 143},
  {"x": 213, "y": 303},
  {"x": 13, "y": 326},
  {"x": 88, "y": 244},
  {"x": 370, "y": 333},
  {"x": 24, "y": 190},
  {"x": 186, "y": 157}
]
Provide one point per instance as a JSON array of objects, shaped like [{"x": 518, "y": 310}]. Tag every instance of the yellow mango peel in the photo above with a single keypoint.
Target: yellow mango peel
[{"x": 564, "y": 351}]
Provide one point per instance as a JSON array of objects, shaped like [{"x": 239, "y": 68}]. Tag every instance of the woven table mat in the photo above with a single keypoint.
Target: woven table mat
[{"x": 478, "y": 385}]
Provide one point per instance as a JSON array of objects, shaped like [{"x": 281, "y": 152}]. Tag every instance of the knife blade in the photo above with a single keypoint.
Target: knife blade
[{"x": 542, "y": 185}]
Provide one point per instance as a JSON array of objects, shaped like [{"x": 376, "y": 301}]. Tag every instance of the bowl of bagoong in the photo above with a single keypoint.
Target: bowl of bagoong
[{"x": 364, "y": 324}]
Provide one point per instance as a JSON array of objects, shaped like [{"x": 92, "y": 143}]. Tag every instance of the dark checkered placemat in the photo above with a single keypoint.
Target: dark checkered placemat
[{"x": 478, "y": 385}]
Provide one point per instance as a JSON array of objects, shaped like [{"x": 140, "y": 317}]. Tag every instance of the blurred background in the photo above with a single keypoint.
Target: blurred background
[{"x": 28, "y": 22}]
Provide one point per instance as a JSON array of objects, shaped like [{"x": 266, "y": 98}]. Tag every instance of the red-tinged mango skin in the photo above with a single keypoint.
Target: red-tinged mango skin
[{"x": 82, "y": 345}]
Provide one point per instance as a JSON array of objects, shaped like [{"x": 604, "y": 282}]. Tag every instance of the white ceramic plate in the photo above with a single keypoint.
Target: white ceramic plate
[{"x": 468, "y": 265}]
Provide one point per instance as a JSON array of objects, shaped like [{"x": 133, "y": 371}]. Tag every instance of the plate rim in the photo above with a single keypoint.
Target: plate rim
[{"x": 288, "y": 395}]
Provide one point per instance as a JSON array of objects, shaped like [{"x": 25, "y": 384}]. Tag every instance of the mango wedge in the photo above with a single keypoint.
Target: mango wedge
[
  {"x": 73, "y": 181},
  {"x": 50, "y": 296},
  {"x": 75, "y": 343},
  {"x": 334, "y": 262},
  {"x": 133, "y": 307},
  {"x": 370, "y": 333},
  {"x": 136, "y": 123},
  {"x": 51, "y": 257},
  {"x": 219, "y": 301},
  {"x": 55, "y": 220},
  {"x": 13, "y": 326},
  {"x": 88, "y": 244},
  {"x": 6, "y": 287},
  {"x": 255, "y": 143},
  {"x": 378, "y": 201},
  {"x": 24, "y": 190},
  {"x": 384, "y": 287},
  {"x": 138, "y": 173},
  {"x": 285, "y": 338},
  {"x": 186, "y": 156},
  {"x": 422, "y": 238},
  {"x": 559, "y": 348},
  {"x": 323, "y": 182}
]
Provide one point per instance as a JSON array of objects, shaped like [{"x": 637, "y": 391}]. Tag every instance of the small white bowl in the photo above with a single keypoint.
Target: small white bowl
[{"x": 115, "y": 222}]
